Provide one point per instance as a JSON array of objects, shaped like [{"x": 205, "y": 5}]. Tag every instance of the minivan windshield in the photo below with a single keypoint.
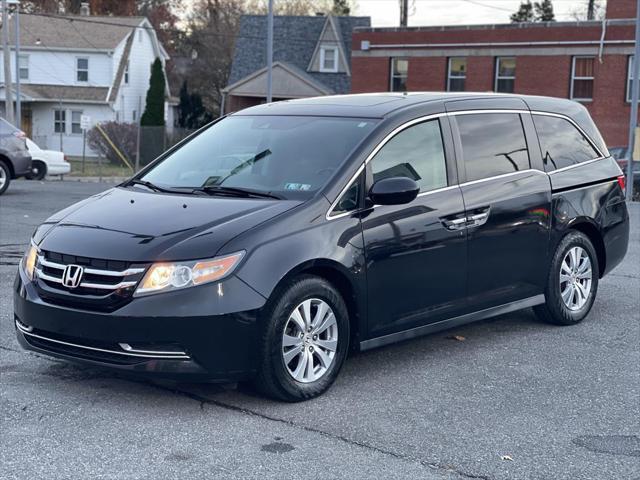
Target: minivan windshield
[{"x": 285, "y": 156}]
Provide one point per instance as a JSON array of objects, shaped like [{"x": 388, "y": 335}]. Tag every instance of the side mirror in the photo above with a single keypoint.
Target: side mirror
[{"x": 394, "y": 191}]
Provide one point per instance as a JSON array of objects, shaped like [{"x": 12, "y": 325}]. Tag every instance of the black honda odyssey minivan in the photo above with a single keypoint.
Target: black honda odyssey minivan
[{"x": 271, "y": 242}]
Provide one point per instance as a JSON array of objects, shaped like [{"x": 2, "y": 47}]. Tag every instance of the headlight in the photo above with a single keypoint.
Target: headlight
[
  {"x": 165, "y": 277},
  {"x": 29, "y": 260}
]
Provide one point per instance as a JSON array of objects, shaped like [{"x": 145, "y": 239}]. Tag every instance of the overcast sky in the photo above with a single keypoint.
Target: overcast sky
[{"x": 448, "y": 12}]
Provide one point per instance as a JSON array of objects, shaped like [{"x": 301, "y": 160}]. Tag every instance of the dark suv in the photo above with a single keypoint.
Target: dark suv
[
  {"x": 275, "y": 239},
  {"x": 15, "y": 160}
]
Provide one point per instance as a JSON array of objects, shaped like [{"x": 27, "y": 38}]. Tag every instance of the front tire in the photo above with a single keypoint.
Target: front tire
[
  {"x": 38, "y": 170},
  {"x": 305, "y": 339},
  {"x": 572, "y": 283},
  {"x": 5, "y": 177}
]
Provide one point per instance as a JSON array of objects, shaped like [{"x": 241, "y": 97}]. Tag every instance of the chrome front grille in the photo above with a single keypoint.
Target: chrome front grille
[
  {"x": 59, "y": 269},
  {"x": 104, "y": 284}
]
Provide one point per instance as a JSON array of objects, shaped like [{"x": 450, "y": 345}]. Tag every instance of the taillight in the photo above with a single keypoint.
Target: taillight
[{"x": 622, "y": 181}]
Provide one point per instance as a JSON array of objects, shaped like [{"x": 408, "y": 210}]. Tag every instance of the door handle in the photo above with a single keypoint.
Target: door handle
[
  {"x": 478, "y": 218},
  {"x": 454, "y": 223}
]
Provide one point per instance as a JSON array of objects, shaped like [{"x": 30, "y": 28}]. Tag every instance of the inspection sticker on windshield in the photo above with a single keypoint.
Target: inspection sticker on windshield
[{"x": 297, "y": 186}]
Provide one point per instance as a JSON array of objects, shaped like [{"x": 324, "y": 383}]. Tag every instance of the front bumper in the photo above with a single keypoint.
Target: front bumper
[{"x": 205, "y": 333}]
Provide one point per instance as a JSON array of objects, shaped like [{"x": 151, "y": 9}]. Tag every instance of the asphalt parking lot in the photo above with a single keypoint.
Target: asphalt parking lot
[{"x": 511, "y": 398}]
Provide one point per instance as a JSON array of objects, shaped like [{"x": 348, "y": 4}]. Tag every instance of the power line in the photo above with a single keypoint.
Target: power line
[{"x": 169, "y": 30}]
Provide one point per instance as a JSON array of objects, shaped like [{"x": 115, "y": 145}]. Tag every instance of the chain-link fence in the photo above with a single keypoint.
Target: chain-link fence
[{"x": 131, "y": 145}]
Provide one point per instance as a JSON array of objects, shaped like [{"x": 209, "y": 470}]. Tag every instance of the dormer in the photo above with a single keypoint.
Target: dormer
[{"x": 329, "y": 55}]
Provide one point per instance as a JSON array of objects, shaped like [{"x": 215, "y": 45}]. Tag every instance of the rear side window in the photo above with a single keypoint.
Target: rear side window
[
  {"x": 562, "y": 143},
  {"x": 416, "y": 152},
  {"x": 492, "y": 144}
]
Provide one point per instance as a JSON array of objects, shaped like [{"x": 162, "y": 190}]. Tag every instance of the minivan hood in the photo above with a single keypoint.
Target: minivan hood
[{"x": 132, "y": 225}]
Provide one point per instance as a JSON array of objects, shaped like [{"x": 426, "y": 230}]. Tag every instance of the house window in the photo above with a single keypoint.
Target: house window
[
  {"x": 505, "y": 74},
  {"x": 59, "y": 121},
  {"x": 629, "y": 78},
  {"x": 456, "y": 74},
  {"x": 82, "y": 69},
  {"x": 23, "y": 67},
  {"x": 582, "y": 78},
  {"x": 126, "y": 73},
  {"x": 399, "y": 74},
  {"x": 328, "y": 59},
  {"x": 76, "y": 115}
]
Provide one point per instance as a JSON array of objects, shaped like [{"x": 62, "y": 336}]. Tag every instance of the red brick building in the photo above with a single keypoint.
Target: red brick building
[{"x": 589, "y": 62}]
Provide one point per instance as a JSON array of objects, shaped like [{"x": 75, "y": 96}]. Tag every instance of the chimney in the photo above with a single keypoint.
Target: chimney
[
  {"x": 621, "y": 9},
  {"x": 85, "y": 10}
]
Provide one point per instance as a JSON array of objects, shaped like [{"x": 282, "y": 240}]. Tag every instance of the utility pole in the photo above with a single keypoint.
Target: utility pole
[
  {"x": 270, "y": 53},
  {"x": 17, "y": 36},
  {"x": 8, "y": 87},
  {"x": 633, "y": 120},
  {"x": 404, "y": 12},
  {"x": 591, "y": 10}
]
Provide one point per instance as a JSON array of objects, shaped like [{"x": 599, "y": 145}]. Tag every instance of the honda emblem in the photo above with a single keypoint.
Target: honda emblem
[{"x": 72, "y": 276}]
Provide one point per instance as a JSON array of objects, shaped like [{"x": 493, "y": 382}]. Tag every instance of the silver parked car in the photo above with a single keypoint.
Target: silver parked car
[{"x": 15, "y": 159}]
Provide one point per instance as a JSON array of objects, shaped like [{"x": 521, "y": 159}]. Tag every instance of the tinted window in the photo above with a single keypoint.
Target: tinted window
[
  {"x": 416, "y": 152},
  {"x": 285, "y": 155},
  {"x": 492, "y": 144},
  {"x": 562, "y": 143},
  {"x": 350, "y": 199}
]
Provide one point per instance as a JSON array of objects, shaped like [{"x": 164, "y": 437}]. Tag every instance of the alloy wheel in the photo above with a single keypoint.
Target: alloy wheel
[
  {"x": 310, "y": 340},
  {"x": 575, "y": 278},
  {"x": 3, "y": 177}
]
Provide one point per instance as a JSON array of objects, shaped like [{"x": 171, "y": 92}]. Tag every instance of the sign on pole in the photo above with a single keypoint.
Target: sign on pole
[{"x": 85, "y": 124}]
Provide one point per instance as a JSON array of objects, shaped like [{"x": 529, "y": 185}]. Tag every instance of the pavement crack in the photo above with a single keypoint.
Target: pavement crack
[
  {"x": 624, "y": 275},
  {"x": 246, "y": 411}
]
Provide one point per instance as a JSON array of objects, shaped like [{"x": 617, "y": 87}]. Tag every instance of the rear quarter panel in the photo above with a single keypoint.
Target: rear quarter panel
[{"x": 589, "y": 197}]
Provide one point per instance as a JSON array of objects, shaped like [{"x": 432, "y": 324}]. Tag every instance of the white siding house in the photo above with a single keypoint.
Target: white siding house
[{"x": 82, "y": 65}]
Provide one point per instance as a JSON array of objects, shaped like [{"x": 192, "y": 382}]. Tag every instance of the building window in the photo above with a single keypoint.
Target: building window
[
  {"x": 399, "y": 74},
  {"x": 134, "y": 115},
  {"x": 23, "y": 67},
  {"x": 126, "y": 73},
  {"x": 629, "y": 78},
  {"x": 76, "y": 116},
  {"x": 328, "y": 59},
  {"x": 505, "y": 74},
  {"x": 456, "y": 74},
  {"x": 582, "y": 78},
  {"x": 59, "y": 121},
  {"x": 82, "y": 69}
]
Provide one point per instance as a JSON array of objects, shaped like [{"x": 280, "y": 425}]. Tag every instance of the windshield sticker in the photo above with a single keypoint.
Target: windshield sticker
[{"x": 297, "y": 186}]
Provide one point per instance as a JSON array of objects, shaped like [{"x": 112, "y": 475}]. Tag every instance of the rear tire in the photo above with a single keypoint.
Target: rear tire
[
  {"x": 38, "y": 170},
  {"x": 307, "y": 323},
  {"x": 5, "y": 176},
  {"x": 572, "y": 284}
]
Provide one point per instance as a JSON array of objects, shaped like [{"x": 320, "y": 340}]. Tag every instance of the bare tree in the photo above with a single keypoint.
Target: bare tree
[{"x": 592, "y": 10}]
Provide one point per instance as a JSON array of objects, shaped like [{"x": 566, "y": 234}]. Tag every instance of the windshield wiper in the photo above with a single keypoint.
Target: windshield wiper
[
  {"x": 235, "y": 192},
  {"x": 150, "y": 186}
]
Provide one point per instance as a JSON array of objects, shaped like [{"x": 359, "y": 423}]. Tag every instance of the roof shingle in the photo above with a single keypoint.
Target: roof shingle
[
  {"x": 72, "y": 31},
  {"x": 294, "y": 41}
]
